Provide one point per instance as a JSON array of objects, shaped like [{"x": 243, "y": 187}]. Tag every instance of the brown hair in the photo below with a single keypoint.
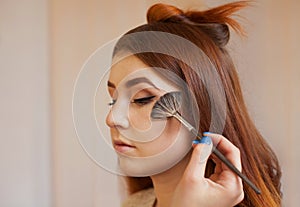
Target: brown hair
[{"x": 209, "y": 30}]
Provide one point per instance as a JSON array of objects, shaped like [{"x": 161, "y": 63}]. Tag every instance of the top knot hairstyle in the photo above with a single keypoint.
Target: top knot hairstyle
[
  {"x": 209, "y": 31},
  {"x": 214, "y": 22}
]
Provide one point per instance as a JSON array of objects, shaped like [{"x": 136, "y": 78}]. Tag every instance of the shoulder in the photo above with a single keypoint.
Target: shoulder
[{"x": 143, "y": 198}]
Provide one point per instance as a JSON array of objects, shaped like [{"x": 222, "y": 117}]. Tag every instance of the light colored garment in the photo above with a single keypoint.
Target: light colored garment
[{"x": 143, "y": 198}]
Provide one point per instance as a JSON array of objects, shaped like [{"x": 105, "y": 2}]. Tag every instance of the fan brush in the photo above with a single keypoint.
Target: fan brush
[{"x": 167, "y": 106}]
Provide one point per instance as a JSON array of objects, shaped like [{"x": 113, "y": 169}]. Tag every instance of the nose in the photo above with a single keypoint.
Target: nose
[{"x": 117, "y": 117}]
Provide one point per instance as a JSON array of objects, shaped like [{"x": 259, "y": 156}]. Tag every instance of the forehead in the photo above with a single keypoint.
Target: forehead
[
  {"x": 131, "y": 68},
  {"x": 125, "y": 67}
]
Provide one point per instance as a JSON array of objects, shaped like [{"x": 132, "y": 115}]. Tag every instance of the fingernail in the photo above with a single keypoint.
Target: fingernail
[
  {"x": 205, "y": 140},
  {"x": 204, "y": 133},
  {"x": 196, "y": 141}
]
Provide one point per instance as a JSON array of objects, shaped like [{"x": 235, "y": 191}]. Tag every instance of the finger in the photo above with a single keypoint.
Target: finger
[
  {"x": 231, "y": 152},
  {"x": 201, "y": 152}
]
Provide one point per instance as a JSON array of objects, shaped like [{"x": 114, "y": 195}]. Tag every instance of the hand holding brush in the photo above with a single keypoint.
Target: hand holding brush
[{"x": 167, "y": 106}]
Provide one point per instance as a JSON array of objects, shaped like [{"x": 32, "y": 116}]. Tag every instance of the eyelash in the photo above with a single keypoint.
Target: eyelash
[
  {"x": 143, "y": 101},
  {"x": 139, "y": 101}
]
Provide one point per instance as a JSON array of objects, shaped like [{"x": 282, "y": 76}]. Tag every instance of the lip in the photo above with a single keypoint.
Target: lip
[{"x": 122, "y": 147}]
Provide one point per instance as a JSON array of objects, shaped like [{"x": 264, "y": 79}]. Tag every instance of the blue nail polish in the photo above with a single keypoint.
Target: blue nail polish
[
  {"x": 196, "y": 141},
  {"x": 207, "y": 133},
  {"x": 206, "y": 140}
]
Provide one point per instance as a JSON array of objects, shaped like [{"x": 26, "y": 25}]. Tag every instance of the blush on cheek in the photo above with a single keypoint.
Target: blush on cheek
[
  {"x": 164, "y": 140},
  {"x": 140, "y": 118},
  {"x": 172, "y": 129}
]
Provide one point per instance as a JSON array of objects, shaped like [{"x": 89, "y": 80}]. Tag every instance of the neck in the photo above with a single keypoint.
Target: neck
[{"x": 165, "y": 183}]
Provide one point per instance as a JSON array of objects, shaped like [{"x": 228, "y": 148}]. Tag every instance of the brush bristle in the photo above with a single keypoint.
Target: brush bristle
[{"x": 167, "y": 105}]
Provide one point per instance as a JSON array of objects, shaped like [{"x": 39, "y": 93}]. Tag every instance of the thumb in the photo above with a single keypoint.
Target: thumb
[{"x": 201, "y": 152}]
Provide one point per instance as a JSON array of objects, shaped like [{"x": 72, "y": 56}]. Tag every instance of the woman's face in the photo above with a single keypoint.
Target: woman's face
[{"x": 134, "y": 88}]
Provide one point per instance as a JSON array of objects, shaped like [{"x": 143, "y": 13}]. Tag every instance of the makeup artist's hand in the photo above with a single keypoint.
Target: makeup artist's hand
[{"x": 223, "y": 188}]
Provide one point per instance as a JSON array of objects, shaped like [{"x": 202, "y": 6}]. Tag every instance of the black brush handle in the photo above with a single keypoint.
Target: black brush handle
[{"x": 234, "y": 169}]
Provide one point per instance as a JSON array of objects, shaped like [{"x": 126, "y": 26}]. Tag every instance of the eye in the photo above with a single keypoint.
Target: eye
[
  {"x": 144, "y": 100},
  {"x": 112, "y": 102}
]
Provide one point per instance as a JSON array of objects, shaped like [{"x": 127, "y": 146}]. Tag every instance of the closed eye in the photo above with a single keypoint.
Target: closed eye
[{"x": 144, "y": 100}]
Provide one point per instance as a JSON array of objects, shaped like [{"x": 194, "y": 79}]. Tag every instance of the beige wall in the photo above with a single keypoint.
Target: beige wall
[
  {"x": 25, "y": 162},
  {"x": 268, "y": 62}
]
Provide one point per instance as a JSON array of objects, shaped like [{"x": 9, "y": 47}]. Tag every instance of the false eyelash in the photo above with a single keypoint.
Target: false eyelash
[{"x": 143, "y": 101}]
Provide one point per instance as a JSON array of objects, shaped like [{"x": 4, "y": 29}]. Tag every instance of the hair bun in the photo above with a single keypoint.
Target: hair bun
[
  {"x": 163, "y": 12},
  {"x": 214, "y": 22}
]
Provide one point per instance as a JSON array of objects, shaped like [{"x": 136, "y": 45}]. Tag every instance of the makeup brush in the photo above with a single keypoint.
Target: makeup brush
[{"x": 167, "y": 106}]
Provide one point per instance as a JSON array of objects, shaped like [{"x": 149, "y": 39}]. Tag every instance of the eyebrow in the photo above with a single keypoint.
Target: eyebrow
[
  {"x": 136, "y": 81},
  {"x": 133, "y": 82}
]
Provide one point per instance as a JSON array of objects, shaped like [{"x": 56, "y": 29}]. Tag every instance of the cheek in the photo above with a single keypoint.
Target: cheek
[
  {"x": 160, "y": 154},
  {"x": 139, "y": 117},
  {"x": 163, "y": 141}
]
